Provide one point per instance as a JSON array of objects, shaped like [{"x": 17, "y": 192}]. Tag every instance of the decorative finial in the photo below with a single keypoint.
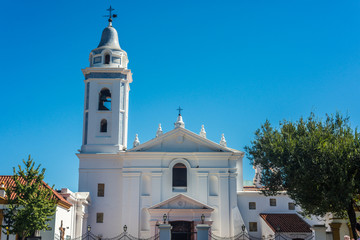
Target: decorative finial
[
  {"x": 159, "y": 132},
  {"x": 203, "y": 132},
  {"x": 223, "y": 141},
  {"x": 179, "y": 122},
  {"x": 110, "y": 15},
  {"x": 179, "y": 109},
  {"x": 136, "y": 141}
]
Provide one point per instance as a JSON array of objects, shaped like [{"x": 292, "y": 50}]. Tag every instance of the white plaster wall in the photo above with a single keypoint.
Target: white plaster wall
[
  {"x": 139, "y": 180},
  {"x": 116, "y": 135},
  {"x": 103, "y": 169},
  {"x": 64, "y": 215},
  {"x": 198, "y": 183}
]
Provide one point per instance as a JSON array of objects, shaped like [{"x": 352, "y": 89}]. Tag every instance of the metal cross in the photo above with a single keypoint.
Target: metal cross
[
  {"x": 179, "y": 109},
  {"x": 110, "y": 15}
]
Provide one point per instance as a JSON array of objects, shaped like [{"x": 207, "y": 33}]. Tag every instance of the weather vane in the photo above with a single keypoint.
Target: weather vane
[
  {"x": 179, "y": 109},
  {"x": 110, "y": 15}
]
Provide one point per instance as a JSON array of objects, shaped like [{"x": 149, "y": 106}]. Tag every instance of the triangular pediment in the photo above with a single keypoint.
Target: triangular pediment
[
  {"x": 181, "y": 201},
  {"x": 181, "y": 140}
]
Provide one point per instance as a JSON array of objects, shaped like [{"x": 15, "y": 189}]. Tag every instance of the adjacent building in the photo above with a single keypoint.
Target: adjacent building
[{"x": 71, "y": 212}]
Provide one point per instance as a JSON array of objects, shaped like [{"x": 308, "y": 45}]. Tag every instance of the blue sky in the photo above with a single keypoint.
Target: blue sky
[{"x": 229, "y": 64}]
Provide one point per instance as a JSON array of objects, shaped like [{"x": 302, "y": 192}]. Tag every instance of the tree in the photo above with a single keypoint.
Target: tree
[
  {"x": 317, "y": 162},
  {"x": 31, "y": 203}
]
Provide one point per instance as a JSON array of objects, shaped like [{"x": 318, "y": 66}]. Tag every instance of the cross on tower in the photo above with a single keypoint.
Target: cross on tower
[
  {"x": 110, "y": 15},
  {"x": 179, "y": 109}
]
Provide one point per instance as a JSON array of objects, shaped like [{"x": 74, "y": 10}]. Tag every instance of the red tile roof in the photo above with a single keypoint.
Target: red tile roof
[
  {"x": 252, "y": 188},
  {"x": 9, "y": 181},
  {"x": 286, "y": 222}
]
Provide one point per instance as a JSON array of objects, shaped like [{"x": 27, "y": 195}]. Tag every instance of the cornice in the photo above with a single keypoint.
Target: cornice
[
  {"x": 97, "y": 155},
  {"x": 109, "y": 70},
  {"x": 131, "y": 174},
  {"x": 191, "y": 135}
]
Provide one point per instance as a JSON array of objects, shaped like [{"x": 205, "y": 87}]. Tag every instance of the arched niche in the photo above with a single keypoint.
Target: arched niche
[
  {"x": 145, "y": 185},
  {"x": 213, "y": 185}
]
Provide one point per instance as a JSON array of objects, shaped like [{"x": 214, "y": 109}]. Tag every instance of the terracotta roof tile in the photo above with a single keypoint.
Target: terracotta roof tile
[
  {"x": 251, "y": 188},
  {"x": 8, "y": 182},
  {"x": 286, "y": 222}
]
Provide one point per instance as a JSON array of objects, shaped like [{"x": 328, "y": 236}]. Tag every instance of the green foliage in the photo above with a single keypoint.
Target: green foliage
[
  {"x": 316, "y": 162},
  {"x": 33, "y": 205}
]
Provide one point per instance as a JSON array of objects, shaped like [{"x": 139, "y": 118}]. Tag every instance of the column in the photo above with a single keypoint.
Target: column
[
  {"x": 320, "y": 232},
  {"x": 202, "y": 231},
  {"x": 202, "y": 186},
  {"x": 335, "y": 228},
  {"x": 224, "y": 207},
  {"x": 165, "y": 231},
  {"x": 131, "y": 201}
]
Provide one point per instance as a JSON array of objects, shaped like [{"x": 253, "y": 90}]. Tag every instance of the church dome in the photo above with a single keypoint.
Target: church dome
[
  {"x": 109, "y": 38},
  {"x": 108, "y": 53}
]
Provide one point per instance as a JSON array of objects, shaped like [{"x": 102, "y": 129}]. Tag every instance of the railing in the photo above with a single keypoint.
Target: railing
[
  {"x": 245, "y": 236},
  {"x": 122, "y": 236}
]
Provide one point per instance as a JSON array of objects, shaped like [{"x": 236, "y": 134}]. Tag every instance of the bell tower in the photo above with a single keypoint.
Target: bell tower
[{"x": 107, "y": 89}]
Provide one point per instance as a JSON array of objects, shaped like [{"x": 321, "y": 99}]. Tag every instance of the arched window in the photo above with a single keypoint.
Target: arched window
[
  {"x": 105, "y": 99},
  {"x": 107, "y": 58},
  {"x": 103, "y": 125},
  {"x": 179, "y": 175}
]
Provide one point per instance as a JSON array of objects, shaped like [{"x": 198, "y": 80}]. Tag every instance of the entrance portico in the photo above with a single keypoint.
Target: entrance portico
[{"x": 182, "y": 212}]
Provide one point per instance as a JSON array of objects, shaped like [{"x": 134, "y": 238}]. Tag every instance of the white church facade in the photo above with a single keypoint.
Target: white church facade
[{"x": 180, "y": 174}]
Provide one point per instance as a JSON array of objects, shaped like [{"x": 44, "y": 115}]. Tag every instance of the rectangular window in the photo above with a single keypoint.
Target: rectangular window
[
  {"x": 86, "y": 127},
  {"x": 101, "y": 190},
  {"x": 252, "y": 205},
  {"x": 87, "y": 95},
  {"x": 252, "y": 226},
  {"x": 99, "y": 217},
  {"x": 291, "y": 206},
  {"x": 272, "y": 202}
]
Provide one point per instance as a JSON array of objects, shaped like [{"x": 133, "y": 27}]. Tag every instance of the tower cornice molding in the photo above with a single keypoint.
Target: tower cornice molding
[
  {"x": 108, "y": 74},
  {"x": 105, "y": 69}
]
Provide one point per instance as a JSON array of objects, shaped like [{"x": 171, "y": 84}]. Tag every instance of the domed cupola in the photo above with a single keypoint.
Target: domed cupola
[
  {"x": 108, "y": 53},
  {"x": 109, "y": 38}
]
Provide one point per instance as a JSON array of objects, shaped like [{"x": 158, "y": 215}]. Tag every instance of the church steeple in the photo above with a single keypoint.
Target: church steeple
[
  {"x": 106, "y": 95},
  {"x": 179, "y": 122}
]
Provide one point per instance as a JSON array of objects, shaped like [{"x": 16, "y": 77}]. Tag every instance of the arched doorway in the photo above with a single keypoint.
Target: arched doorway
[{"x": 182, "y": 230}]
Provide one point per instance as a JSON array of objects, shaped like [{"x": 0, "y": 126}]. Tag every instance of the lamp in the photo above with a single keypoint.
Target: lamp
[
  {"x": 125, "y": 228},
  {"x": 164, "y": 218},
  {"x": 243, "y": 227},
  {"x": 202, "y": 218},
  {"x": 89, "y": 228},
  {"x": 7, "y": 232}
]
